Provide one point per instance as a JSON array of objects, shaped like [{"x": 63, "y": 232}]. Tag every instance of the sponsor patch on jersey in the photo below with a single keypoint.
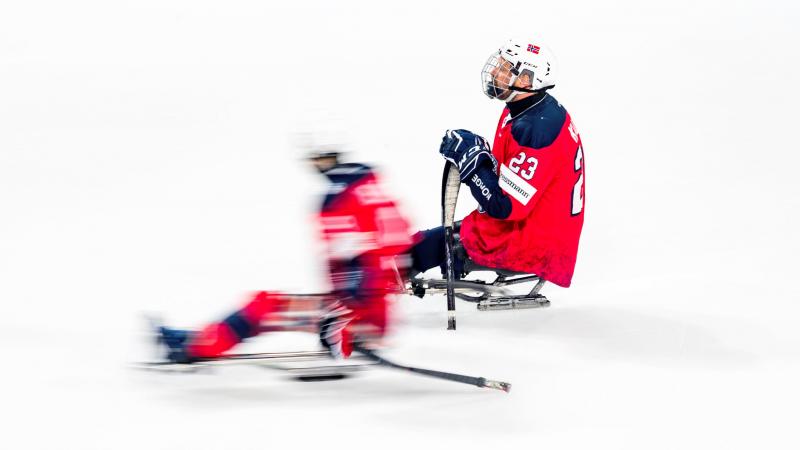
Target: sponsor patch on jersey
[{"x": 515, "y": 186}]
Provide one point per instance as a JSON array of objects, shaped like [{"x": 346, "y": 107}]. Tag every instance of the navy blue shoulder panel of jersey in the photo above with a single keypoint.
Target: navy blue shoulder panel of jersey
[
  {"x": 341, "y": 176},
  {"x": 540, "y": 125}
]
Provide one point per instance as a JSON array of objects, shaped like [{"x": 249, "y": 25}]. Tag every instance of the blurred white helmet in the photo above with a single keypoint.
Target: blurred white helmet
[
  {"x": 320, "y": 133},
  {"x": 515, "y": 58}
]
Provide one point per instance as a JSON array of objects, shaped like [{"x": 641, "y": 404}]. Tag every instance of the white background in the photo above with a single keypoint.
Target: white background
[{"x": 146, "y": 165}]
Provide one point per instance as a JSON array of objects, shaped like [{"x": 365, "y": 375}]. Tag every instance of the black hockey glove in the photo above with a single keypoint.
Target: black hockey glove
[{"x": 466, "y": 150}]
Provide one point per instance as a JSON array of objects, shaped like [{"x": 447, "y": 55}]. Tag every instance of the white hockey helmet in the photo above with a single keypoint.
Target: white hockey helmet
[
  {"x": 320, "y": 133},
  {"x": 514, "y": 58}
]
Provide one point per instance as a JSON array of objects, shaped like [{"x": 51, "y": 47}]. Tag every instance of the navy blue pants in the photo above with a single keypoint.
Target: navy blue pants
[{"x": 429, "y": 252}]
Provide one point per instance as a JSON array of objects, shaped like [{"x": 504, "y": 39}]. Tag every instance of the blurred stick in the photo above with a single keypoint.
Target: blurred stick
[{"x": 474, "y": 381}]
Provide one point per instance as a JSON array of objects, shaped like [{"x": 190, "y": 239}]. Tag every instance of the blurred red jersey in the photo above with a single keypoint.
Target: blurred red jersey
[
  {"x": 541, "y": 169},
  {"x": 364, "y": 233}
]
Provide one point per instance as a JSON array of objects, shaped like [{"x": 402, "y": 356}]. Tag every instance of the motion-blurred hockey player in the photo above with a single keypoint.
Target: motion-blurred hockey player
[
  {"x": 363, "y": 233},
  {"x": 530, "y": 186}
]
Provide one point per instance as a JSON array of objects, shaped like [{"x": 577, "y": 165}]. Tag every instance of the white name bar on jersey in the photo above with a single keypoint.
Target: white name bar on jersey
[{"x": 515, "y": 186}]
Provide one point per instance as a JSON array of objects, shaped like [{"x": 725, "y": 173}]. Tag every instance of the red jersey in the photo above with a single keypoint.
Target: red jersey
[{"x": 541, "y": 170}]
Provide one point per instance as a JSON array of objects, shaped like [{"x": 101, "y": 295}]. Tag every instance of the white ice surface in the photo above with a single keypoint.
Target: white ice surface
[{"x": 146, "y": 165}]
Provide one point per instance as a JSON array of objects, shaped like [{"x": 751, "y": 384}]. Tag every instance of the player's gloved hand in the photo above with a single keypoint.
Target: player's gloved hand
[
  {"x": 466, "y": 150},
  {"x": 333, "y": 333}
]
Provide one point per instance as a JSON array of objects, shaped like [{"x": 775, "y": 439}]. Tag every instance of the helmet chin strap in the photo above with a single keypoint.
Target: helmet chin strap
[
  {"x": 515, "y": 89},
  {"x": 530, "y": 91}
]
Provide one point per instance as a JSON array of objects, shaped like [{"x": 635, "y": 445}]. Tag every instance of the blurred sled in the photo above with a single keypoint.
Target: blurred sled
[
  {"x": 364, "y": 360},
  {"x": 303, "y": 365},
  {"x": 313, "y": 365}
]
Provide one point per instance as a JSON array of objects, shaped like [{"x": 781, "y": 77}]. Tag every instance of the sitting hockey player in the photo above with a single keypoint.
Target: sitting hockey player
[
  {"x": 363, "y": 233},
  {"x": 529, "y": 187}
]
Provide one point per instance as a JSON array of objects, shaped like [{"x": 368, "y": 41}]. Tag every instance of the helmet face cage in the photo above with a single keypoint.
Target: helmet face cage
[{"x": 497, "y": 76}]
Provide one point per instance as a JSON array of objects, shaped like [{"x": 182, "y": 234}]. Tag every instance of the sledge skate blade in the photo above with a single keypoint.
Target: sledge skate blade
[
  {"x": 513, "y": 302},
  {"x": 325, "y": 373},
  {"x": 318, "y": 378}
]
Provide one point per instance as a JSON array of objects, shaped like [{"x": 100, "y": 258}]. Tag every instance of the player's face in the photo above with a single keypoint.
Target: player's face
[
  {"x": 502, "y": 74},
  {"x": 323, "y": 163},
  {"x": 497, "y": 77}
]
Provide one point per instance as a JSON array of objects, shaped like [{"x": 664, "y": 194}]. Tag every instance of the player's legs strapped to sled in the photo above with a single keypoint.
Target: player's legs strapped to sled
[
  {"x": 429, "y": 252},
  {"x": 219, "y": 337},
  {"x": 270, "y": 311}
]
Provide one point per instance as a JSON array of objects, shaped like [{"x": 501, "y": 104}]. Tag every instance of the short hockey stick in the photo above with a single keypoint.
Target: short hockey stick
[
  {"x": 474, "y": 381},
  {"x": 450, "y": 186}
]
